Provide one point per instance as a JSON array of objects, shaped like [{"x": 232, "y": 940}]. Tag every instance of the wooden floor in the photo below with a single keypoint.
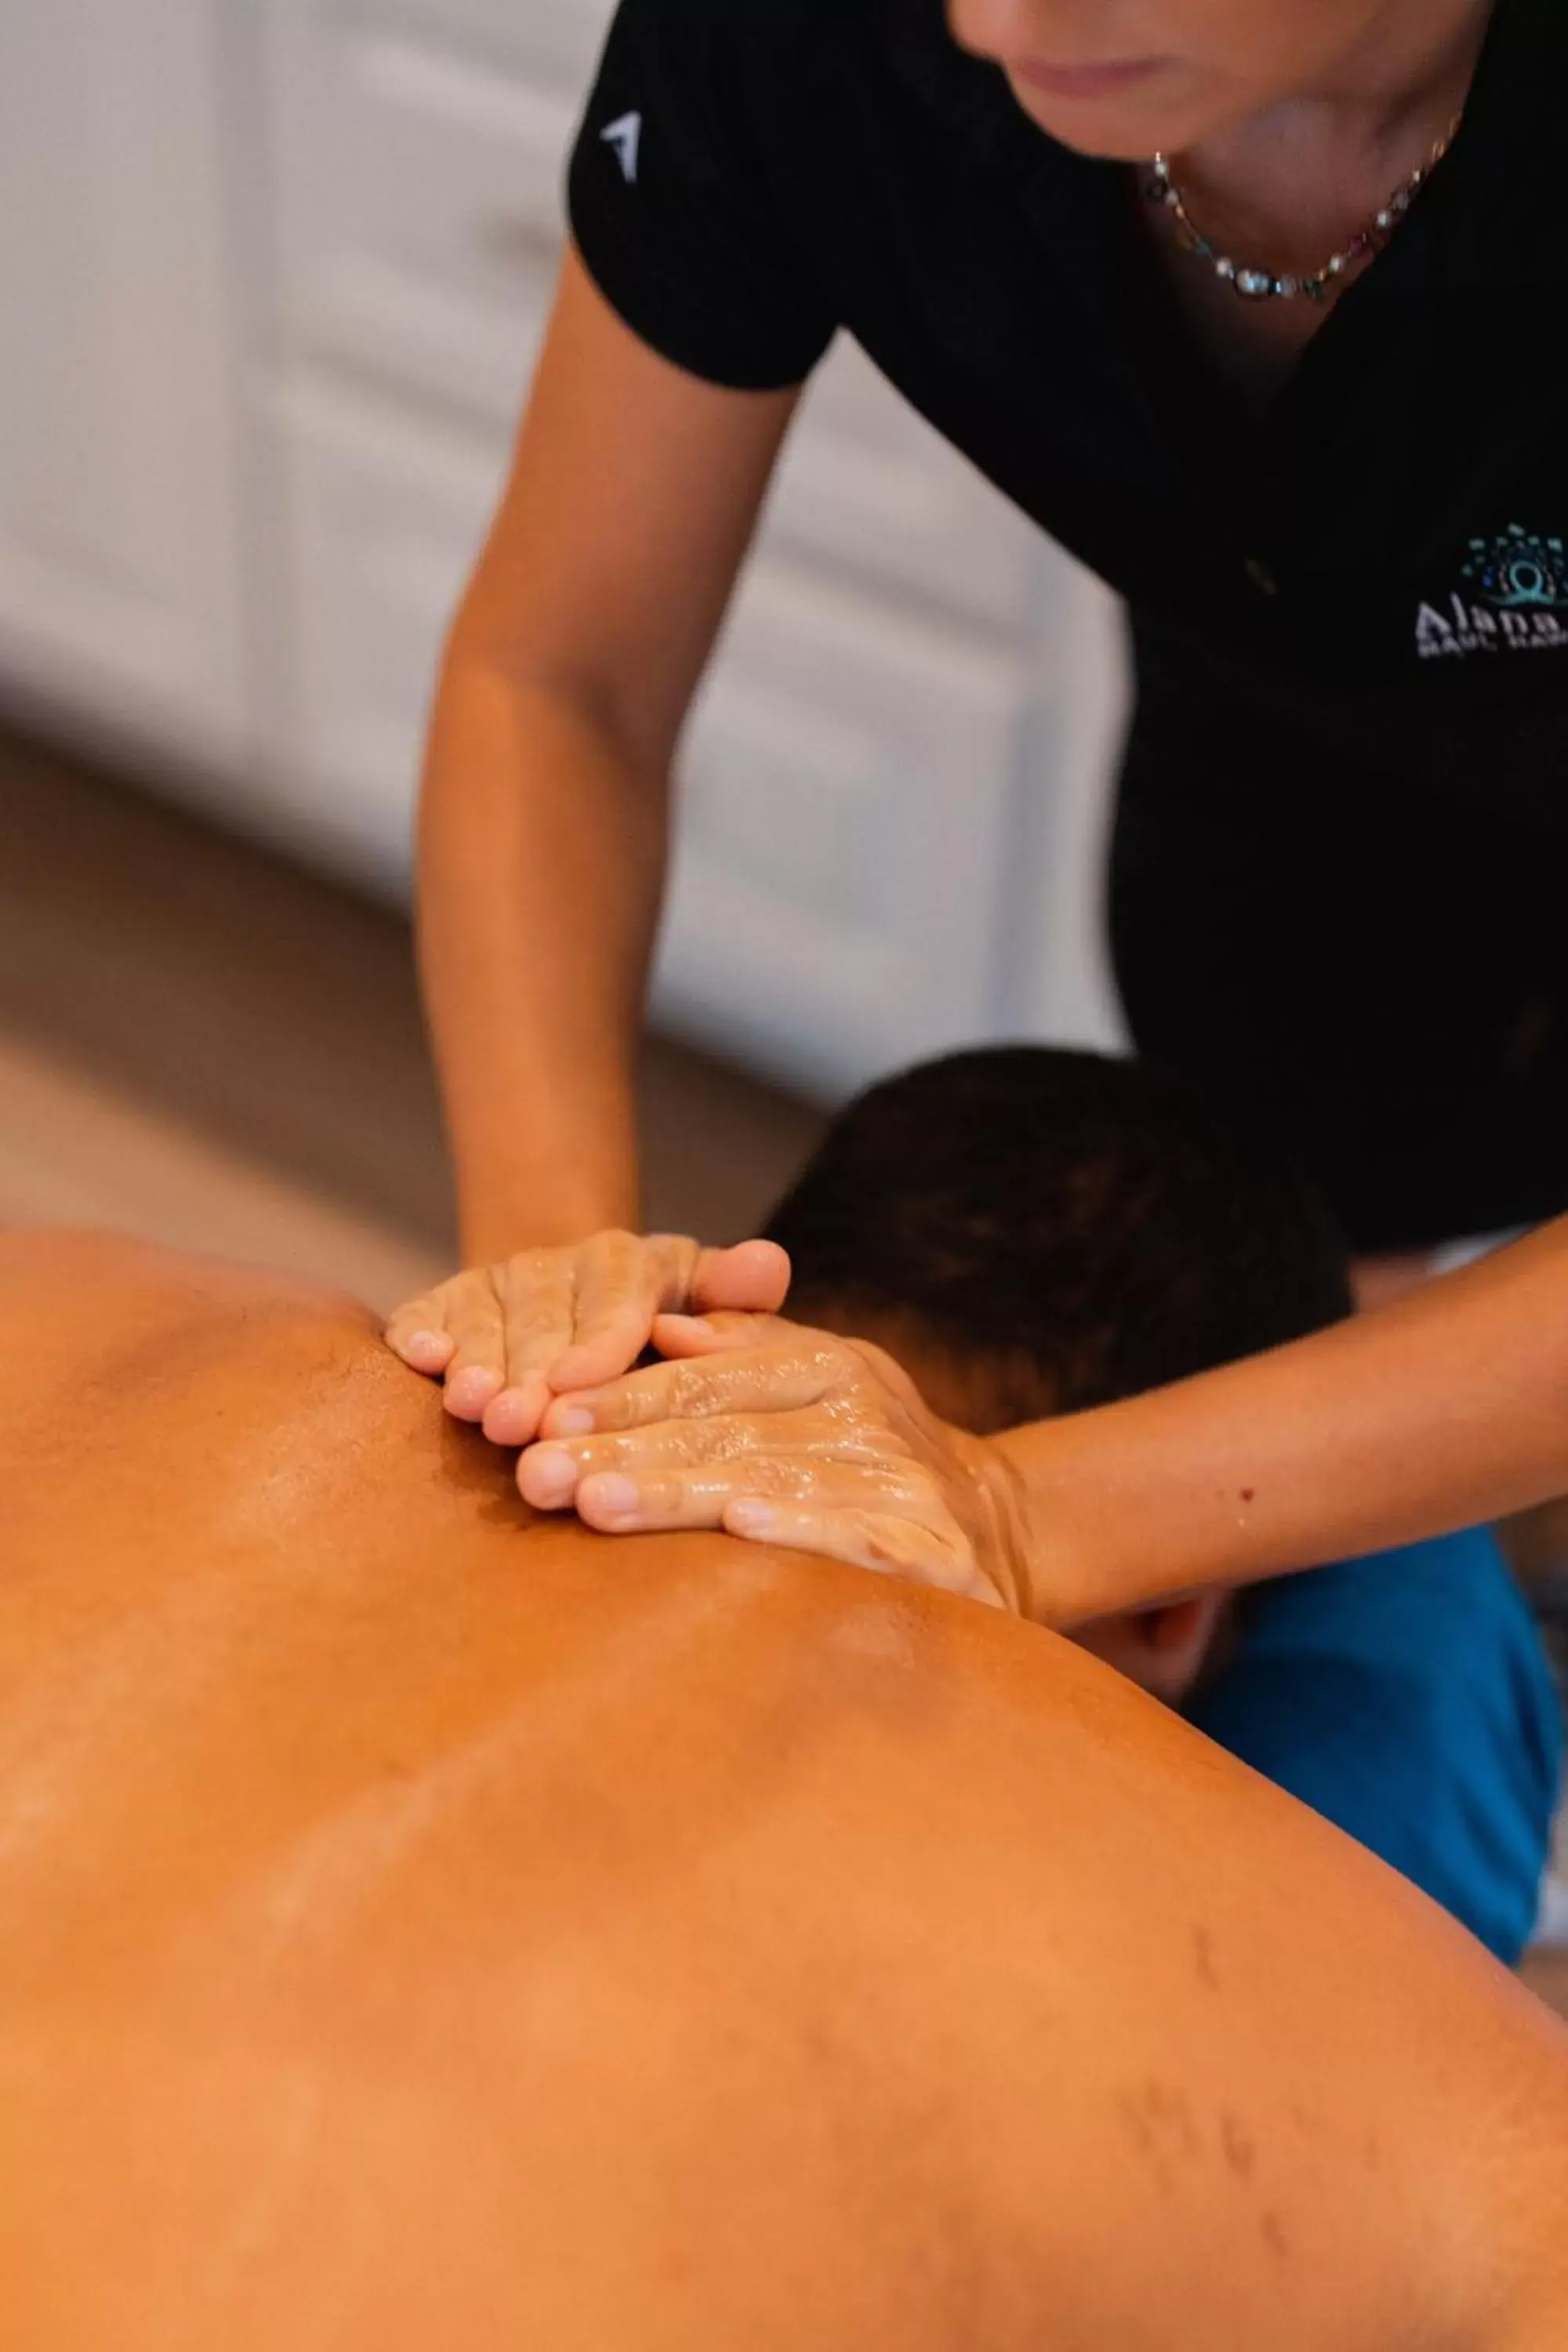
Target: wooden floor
[{"x": 200, "y": 1043}]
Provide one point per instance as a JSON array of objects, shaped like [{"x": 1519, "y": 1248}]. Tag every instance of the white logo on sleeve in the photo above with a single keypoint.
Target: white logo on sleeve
[{"x": 625, "y": 135}]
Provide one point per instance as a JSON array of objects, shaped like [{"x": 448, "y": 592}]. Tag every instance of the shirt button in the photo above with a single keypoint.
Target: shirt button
[{"x": 1261, "y": 577}]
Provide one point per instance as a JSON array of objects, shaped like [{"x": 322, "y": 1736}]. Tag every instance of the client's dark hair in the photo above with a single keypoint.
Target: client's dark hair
[{"x": 1084, "y": 1228}]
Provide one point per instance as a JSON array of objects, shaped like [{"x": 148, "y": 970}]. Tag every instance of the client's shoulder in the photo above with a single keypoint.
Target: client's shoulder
[
  {"x": 115, "y": 1345},
  {"x": 82, "y": 1287}
]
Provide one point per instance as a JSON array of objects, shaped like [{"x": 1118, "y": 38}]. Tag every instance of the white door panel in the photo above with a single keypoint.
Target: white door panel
[
  {"x": 845, "y": 822},
  {"x": 381, "y": 525},
  {"x": 119, "y": 458},
  {"x": 420, "y": 224},
  {"x": 557, "y": 41}
]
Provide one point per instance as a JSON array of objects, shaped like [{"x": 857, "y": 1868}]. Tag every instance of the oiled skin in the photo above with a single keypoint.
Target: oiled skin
[{"x": 424, "y": 1927}]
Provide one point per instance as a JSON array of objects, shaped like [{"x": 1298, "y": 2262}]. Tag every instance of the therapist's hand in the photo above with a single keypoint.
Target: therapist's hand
[
  {"x": 507, "y": 1338},
  {"x": 789, "y": 1437}
]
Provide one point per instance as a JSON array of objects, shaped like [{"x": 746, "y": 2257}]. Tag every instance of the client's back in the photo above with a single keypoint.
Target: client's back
[{"x": 425, "y": 1927}]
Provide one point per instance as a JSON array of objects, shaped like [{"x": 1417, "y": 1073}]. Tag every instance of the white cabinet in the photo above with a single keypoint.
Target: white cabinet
[
  {"x": 846, "y": 814},
  {"x": 556, "y": 41},
  {"x": 417, "y": 208},
  {"x": 380, "y": 523},
  {"x": 889, "y": 788},
  {"x": 269, "y": 313},
  {"x": 119, "y": 473}
]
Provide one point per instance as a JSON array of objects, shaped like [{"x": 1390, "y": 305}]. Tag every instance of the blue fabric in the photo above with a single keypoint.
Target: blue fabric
[{"x": 1408, "y": 1699}]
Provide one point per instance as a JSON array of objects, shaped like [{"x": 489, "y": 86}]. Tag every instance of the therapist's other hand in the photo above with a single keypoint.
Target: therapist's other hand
[
  {"x": 508, "y": 1338},
  {"x": 790, "y": 1437}
]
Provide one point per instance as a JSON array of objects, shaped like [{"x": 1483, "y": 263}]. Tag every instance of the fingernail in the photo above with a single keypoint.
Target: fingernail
[
  {"x": 616, "y": 1496},
  {"x": 510, "y": 1411},
  {"x": 750, "y": 1519},
  {"x": 471, "y": 1389},
  {"x": 569, "y": 1421},
  {"x": 548, "y": 1477},
  {"x": 427, "y": 1342}
]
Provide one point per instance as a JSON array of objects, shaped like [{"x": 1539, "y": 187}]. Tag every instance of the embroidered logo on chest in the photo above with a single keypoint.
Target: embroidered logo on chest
[{"x": 1515, "y": 600}]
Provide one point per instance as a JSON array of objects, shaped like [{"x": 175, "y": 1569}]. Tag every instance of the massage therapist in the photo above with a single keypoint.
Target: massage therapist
[{"x": 1255, "y": 305}]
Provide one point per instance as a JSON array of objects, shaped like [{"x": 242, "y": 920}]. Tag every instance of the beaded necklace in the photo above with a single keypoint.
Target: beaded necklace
[{"x": 1265, "y": 285}]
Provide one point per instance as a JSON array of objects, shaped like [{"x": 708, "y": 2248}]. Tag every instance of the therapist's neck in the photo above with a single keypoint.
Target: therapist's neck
[
  {"x": 1413, "y": 64},
  {"x": 1297, "y": 173}
]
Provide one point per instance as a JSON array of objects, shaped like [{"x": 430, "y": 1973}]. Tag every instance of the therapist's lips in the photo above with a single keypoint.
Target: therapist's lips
[{"x": 1083, "y": 81}]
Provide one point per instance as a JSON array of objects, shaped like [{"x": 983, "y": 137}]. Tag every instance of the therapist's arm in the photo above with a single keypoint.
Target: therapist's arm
[
  {"x": 1444, "y": 1411},
  {"x": 545, "y": 812}
]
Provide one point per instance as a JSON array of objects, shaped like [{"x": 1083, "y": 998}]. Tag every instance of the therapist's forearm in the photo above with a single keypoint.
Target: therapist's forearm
[
  {"x": 1444, "y": 1411},
  {"x": 541, "y": 866}
]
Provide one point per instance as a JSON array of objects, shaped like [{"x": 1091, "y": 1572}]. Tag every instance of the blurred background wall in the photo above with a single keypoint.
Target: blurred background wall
[{"x": 272, "y": 273}]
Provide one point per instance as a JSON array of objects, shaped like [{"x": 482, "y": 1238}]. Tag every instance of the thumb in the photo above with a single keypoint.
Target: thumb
[
  {"x": 753, "y": 1276},
  {"x": 710, "y": 1335}
]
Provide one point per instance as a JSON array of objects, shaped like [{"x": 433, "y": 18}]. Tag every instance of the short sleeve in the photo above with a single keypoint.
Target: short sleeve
[{"x": 669, "y": 195}]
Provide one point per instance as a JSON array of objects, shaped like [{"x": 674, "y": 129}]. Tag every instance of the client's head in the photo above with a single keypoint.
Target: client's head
[{"x": 1033, "y": 1231}]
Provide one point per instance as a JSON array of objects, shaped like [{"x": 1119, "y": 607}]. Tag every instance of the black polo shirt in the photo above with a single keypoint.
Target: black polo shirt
[{"x": 1377, "y": 567}]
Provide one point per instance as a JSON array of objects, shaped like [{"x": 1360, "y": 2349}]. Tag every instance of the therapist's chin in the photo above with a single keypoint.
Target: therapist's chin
[{"x": 1167, "y": 109}]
